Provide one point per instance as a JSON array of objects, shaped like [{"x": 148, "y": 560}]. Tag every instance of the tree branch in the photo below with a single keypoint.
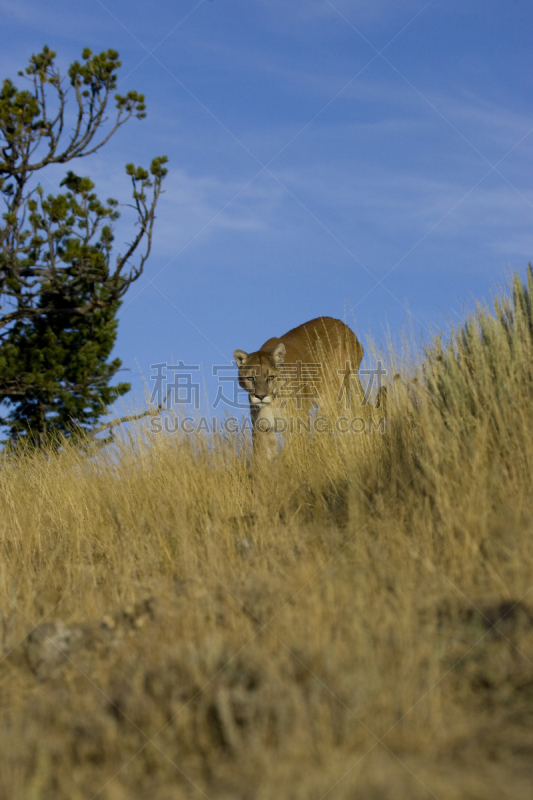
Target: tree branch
[{"x": 151, "y": 412}]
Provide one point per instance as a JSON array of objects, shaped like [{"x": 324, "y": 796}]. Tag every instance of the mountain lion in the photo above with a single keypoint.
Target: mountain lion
[{"x": 321, "y": 356}]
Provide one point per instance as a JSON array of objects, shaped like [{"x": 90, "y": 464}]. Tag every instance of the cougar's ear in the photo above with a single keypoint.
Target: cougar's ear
[
  {"x": 278, "y": 354},
  {"x": 240, "y": 357}
]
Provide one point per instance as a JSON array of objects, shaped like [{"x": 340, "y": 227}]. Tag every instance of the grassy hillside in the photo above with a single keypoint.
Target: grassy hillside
[{"x": 355, "y": 622}]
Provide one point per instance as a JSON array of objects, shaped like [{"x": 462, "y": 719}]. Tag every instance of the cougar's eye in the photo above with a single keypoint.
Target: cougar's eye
[{"x": 250, "y": 378}]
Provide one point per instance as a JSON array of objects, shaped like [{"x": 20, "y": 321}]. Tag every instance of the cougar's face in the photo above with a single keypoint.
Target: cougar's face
[{"x": 259, "y": 374}]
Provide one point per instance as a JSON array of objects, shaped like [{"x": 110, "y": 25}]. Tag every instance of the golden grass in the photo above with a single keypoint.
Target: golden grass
[{"x": 173, "y": 627}]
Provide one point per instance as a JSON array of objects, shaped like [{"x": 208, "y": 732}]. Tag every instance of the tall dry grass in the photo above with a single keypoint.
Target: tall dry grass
[{"x": 353, "y": 622}]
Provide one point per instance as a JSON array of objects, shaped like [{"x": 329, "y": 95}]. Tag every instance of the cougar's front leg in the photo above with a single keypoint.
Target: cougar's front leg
[{"x": 264, "y": 432}]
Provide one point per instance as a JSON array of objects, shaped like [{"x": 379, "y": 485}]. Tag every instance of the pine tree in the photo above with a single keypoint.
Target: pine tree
[{"x": 59, "y": 288}]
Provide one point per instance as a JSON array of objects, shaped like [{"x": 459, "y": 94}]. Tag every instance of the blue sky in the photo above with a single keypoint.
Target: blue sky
[{"x": 362, "y": 159}]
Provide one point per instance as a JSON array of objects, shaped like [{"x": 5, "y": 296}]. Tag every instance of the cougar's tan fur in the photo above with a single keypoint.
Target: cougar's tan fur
[{"x": 326, "y": 343}]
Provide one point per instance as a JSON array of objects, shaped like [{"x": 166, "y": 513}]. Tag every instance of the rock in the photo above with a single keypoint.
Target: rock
[{"x": 48, "y": 646}]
